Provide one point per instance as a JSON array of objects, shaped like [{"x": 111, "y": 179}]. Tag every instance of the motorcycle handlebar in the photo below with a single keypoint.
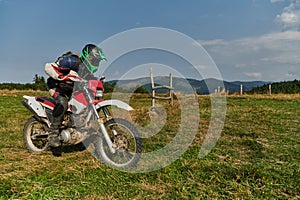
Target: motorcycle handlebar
[{"x": 101, "y": 78}]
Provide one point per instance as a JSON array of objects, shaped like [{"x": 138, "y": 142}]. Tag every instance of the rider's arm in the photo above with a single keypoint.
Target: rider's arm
[
  {"x": 73, "y": 76},
  {"x": 53, "y": 70}
]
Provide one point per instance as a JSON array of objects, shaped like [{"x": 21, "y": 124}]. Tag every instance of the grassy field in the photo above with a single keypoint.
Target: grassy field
[{"x": 256, "y": 157}]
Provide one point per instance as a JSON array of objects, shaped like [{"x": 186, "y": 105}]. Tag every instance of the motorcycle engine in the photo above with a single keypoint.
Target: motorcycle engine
[{"x": 70, "y": 136}]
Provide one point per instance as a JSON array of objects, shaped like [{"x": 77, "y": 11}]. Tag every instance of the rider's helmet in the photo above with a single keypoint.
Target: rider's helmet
[{"x": 91, "y": 56}]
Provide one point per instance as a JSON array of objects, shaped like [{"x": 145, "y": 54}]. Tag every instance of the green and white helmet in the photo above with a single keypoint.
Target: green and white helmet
[{"x": 91, "y": 56}]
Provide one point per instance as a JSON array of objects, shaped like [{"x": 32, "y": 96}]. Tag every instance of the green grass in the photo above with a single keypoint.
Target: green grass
[{"x": 256, "y": 157}]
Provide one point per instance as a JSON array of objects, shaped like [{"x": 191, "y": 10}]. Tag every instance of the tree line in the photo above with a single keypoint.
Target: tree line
[
  {"x": 284, "y": 87},
  {"x": 39, "y": 83}
]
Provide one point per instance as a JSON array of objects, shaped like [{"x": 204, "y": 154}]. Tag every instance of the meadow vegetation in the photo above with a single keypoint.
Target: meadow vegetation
[{"x": 256, "y": 157}]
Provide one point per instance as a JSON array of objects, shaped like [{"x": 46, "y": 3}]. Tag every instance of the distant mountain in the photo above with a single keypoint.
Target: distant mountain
[
  {"x": 210, "y": 85},
  {"x": 206, "y": 86}
]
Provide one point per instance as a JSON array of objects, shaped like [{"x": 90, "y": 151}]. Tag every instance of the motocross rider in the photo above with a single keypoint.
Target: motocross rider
[{"x": 66, "y": 70}]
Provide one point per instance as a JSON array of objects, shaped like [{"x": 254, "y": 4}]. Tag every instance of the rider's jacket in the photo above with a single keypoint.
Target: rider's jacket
[{"x": 62, "y": 74}]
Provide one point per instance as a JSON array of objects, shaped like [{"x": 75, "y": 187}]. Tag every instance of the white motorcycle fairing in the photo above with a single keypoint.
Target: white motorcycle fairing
[
  {"x": 35, "y": 106},
  {"x": 114, "y": 102},
  {"x": 38, "y": 108}
]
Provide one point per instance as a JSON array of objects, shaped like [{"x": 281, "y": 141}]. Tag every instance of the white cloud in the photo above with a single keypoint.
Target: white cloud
[
  {"x": 282, "y": 42},
  {"x": 212, "y": 42},
  {"x": 291, "y": 75},
  {"x": 290, "y": 16},
  {"x": 267, "y": 57},
  {"x": 256, "y": 75},
  {"x": 201, "y": 67},
  {"x": 276, "y": 1}
]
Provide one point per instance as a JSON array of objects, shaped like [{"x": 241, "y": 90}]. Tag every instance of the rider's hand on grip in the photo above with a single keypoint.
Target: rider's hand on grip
[{"x": 102, "y": 78}]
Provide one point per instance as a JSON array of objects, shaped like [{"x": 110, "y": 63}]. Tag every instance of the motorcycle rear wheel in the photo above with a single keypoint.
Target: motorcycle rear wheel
[
  {"x": 32, "y": 129},
  {"x": 127, "y": 141}
]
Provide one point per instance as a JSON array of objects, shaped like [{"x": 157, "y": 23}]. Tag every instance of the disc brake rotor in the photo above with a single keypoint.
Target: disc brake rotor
[{"x": 121, "y": 142}]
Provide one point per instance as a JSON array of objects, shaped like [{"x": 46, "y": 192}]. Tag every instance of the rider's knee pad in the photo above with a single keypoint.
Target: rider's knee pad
[
  {"x": 60, "y": 107},
  {"x": 58, "y": 110}
]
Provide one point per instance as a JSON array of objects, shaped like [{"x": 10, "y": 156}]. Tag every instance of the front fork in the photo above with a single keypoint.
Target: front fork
[
  {"x": 101, "y": 123},
  {"x": 109, "y": 143}
]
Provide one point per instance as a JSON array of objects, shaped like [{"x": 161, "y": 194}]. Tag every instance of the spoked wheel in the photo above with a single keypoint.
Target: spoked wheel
[
  {"x": 35, "y": 136},
  {"x": 127, "y": 143}
]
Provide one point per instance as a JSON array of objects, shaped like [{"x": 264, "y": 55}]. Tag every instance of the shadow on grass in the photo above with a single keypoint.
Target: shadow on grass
[{"x": 57, "y": 151}]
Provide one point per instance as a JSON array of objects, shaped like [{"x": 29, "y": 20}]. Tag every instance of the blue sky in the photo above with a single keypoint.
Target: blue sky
[{"x": 247, "y": 39}]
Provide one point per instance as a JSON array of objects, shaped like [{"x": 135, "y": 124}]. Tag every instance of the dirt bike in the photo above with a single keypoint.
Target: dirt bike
[{"x": 116, "y": 141}]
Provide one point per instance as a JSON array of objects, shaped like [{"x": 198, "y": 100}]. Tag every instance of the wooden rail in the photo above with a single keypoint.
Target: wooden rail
[{"x": 169, "y": 87}]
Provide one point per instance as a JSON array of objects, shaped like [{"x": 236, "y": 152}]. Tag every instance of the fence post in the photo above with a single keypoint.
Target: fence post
[
  {"x": 241, "y": 90},
  {"x": 171, "y": 89},
  {"x": 152, "y": 87}
]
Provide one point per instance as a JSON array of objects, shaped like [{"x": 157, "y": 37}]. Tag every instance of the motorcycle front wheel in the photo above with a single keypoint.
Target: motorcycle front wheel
[
  {"x": 34, "y": 136},
  {"x": 126, "y": 140}
]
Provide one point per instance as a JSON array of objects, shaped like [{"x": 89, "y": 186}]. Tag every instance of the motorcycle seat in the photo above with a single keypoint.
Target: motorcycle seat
[{"x": 46, "y": 101}]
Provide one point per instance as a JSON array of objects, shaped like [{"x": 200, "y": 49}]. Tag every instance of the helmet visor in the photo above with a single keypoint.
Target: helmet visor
[{"x": 92, "y": 63}]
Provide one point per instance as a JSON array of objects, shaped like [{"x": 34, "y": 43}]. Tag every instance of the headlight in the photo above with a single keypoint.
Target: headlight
[{"x": 99, "y": 93}]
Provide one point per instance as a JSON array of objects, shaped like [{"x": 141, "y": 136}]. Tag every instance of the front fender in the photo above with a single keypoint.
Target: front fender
[{"x": 114, "y": 102}]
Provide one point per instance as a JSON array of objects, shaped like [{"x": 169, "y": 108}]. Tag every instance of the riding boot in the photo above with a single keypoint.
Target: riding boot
[
  {"x": 61, "y": 106},
  {"x": 54, "y": 133}
]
